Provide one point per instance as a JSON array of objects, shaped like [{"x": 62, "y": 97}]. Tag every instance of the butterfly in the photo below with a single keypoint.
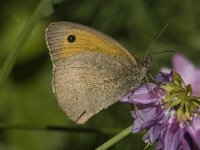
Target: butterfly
[{"x": 91, "y": 71}]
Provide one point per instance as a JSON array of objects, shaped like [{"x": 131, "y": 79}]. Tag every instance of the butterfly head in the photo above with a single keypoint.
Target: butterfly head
[{"x": 145, "y": 62}]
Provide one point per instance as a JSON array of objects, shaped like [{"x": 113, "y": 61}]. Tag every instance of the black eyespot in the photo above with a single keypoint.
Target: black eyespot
[{"x": 71, "y": 38}]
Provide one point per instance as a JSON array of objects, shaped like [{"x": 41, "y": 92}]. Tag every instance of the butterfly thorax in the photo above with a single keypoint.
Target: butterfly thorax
[{"x": 139, "y": 73}]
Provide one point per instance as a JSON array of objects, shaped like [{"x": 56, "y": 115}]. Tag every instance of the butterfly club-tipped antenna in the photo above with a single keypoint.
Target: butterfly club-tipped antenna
[
  {"x": 155, "y": 39},
  {"x": 165, "y": 51},
  {"x": 147, "y": 59}
]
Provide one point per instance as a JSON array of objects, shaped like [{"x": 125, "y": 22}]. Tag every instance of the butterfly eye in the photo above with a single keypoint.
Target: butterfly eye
[{"x": 71, "y": 38}]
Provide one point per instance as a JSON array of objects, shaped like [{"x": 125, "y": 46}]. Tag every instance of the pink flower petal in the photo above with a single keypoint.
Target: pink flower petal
[
  {"x": 194, "y": 130},
  {"x": 184, "y": 67},
  {"x": 141, "y": 96}
]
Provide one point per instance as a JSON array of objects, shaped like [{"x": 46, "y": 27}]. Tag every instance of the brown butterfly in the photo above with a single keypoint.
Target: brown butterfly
[{"x": 91, "y": 71}]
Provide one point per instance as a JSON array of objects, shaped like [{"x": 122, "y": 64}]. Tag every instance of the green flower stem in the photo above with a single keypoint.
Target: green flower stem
[
  {"x": 115, "y": 139},
  {"x": 19, "y": 43}
]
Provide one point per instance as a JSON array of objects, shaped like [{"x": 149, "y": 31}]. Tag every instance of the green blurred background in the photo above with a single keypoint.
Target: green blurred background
[{"x": 26, "y": 98}]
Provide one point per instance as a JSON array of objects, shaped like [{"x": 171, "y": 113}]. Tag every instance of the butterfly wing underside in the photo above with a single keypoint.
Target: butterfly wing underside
[{"x": 90, "y": 73}]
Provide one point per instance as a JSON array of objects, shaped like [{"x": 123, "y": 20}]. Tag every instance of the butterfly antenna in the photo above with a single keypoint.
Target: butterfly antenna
[
  {"x": 166, "y": 51},
  {"x": 155, "y": 40}
]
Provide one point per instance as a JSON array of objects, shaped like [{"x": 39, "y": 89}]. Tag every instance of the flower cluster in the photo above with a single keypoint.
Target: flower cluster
[{"x": 170, "y": 109}]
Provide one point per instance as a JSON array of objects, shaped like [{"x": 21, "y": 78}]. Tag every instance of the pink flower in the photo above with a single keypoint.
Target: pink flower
[{"x": 170, "y": 109}]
